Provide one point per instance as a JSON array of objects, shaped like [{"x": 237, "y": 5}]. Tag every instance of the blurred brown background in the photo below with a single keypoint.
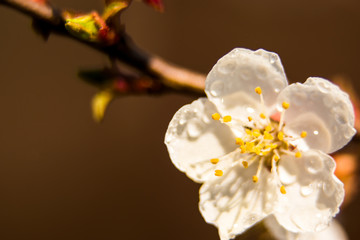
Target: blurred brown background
[{"x": 62, "y": 176}]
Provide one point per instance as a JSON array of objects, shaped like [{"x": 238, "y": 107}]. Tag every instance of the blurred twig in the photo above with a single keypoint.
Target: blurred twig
[{"x": 52, "y": 20}]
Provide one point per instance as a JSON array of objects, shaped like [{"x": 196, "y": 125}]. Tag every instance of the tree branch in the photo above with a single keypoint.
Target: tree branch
[{"x": 172, "y": 76}]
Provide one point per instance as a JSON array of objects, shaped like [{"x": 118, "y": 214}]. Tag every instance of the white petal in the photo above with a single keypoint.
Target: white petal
[
  {"x": 232, "y": 81},
  {"x": 323, "y": 110},
  {"x": 193, "y": 138},
  {"x": 315, "y": 195},
  {"x": 333, "y": 232},
  {"x": 234, "y": 202}
]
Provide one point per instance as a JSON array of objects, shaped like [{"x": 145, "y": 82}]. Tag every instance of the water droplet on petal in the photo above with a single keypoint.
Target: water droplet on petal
[
  {"x": 277, "y": 90},
  {"x": 306, "y": 191},
  {"x": 273, "y": 58},
  {"x": 316, "y": 132},
  {"x": 194, "y": 129},
  {"x": 226, "y": 67},
  {"x": 322, "y": 87},
  {"x": 313, "y": 165},
  {"x": 320, "y": 227},
  {"x": 250, "y": 110},
  {"x": 349, "y": 132},
  {"x": 216, "y": 88},
  {"x": 251, "y": 219},
  {"x": 328, "y": 188},
  {"x": 285, "y": 176},
  {"x": 182, "y": 121}
]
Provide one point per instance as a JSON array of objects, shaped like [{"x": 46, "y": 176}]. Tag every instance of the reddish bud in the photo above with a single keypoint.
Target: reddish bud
[{"x": 157, "y": 4}]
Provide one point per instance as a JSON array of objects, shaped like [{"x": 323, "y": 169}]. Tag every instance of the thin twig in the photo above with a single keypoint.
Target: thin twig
[{"x": 172, "y": 76}]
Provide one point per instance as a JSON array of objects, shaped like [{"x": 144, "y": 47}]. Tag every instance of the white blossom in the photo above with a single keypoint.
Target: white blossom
[{"x": 260, "y": 146}]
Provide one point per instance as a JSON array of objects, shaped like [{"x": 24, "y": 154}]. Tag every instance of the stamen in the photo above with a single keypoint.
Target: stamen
[
  {"x": 214, "y": 160},
  {"x": 227, "y": 118},
  {"x": 298, "y": 155},
  {"x": 255, "y": 179},
  {"x": 239, "y": 141},
  {"x": 245, "y": 164},
  {"x": 280, "y": 136},
  {"x": 303, "y": 134},
  {"x": 216, "y": 116},
  {"x": 268, "y": 128},
  {"x": 285, "y": 105},
  {"x": 250, "y": 119},
  {"x": 282, "y": 190},
  {"x": 218, "y": 173},
  {"x": 268, "y": 136},
  {"x": 262, "y": 116},
  {"x": 256, "y": 133},
  {"x": 243, "y": 149},
  {"x": 276, "y": 157},
  {"x": 258, "y": 90}
]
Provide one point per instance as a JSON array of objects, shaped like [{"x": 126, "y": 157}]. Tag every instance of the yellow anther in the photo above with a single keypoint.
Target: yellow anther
[
  {"x": 218, "y": 173},
  {"x": 250, "y": 119},
  {"x": 243, "y": 149},
  {"x": 214, "y": 160},
  {"x": 276, "y": 158},
  {"x": 256, "y": 133},
  {"x": 255, "y": 179},
  {"x": 249, "y": 146},
  {"x": 227, "y": 118},
  {"x": 262, "y": 116},
  {"x": 285, "y": 105},
  {"x": 216, "y": 116},
  {"x": 268, "y": 128},
  {"x": 258, "y": 90},
  {"x": 268, "y": 136},
  {"x": 298, "y": 155},
  {"x": 257, "y": 150},
  {"x": 280, "y": 136},
  {"x": 248, "y": 131},
  {"x": 245, "y": 164},
  {"x": 282, "y": 190},
  {"x": 303, "y": 134},
  {"x": 239, "y": 141},
  {"x": 264, "y": 153},
  {"x": 273, "y": 145}
]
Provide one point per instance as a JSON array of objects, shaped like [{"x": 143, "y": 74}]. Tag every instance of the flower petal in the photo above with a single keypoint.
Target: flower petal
[
  {"x": 333, "y": 232},
  {"x": 313, "y": 195},
  {"x": 323, "y": 110},
  {"x": 234, "y": 202},
  {"x": 193, "y": 138},
  {"x": 231, "y": 83}
]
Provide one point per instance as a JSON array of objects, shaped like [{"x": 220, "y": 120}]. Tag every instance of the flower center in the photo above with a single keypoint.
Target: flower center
[{"x": 264, "y": 141}]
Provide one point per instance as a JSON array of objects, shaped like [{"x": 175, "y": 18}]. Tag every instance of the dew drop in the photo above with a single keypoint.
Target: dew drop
[
  {"x": 316, "y": 132},
  {"x": 285, "y": 176},
  {"x": 313, "y": 165},
  {"x": 273, "y": 58},
  {"x": 340, "y": 118},
  {"x": 226, "y": 67},
  {"x": 250, "y": 110},
  {"x": 320, "y": 227},
  {"x": 193, "y": 129},
  {"x": 216, "y": 88},
  {"x": 277, "y": 90},
  {"x": 328, "y": 188},
  {"x": 349, "y": 132},
  {"x": 182, "y": 121},
  {"x": 306, "y": 191},
  {"x": 322, "y": 87},
  {"x": 251, "y": 219}
]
